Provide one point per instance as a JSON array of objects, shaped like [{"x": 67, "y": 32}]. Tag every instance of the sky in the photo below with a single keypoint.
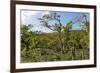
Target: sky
[{"x": 31, "y": 17}]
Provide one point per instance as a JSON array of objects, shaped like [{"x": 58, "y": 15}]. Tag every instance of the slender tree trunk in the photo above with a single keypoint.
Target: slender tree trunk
[
  {"x": 61, "y": 45},
  {"x": 73, "y": 53},
  {"x": 66, "y": 39}
]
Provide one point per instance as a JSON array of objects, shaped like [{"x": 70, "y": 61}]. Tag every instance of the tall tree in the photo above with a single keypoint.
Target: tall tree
[{"x": 57, "y": 26}]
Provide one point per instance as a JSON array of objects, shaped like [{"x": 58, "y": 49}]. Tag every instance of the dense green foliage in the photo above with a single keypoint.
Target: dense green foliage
[{"x": 61, "y": 44}]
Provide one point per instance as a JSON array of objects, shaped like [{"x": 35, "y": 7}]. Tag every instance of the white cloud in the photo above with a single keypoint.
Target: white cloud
[
  {"x": 46, "y": 13},
  {"x": 26, "y": 14}
]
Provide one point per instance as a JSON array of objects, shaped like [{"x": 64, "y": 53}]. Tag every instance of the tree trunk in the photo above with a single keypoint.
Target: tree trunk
[
  {"x": 61, "y": 45},
  {"x": 73, "y": 53}
]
